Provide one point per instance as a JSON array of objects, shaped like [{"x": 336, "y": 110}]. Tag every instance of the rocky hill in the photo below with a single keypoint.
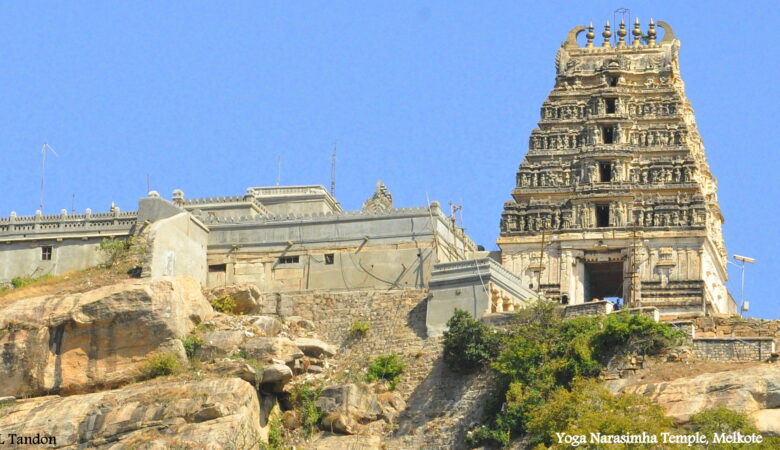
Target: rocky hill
[{"x": 150, "y": 363}]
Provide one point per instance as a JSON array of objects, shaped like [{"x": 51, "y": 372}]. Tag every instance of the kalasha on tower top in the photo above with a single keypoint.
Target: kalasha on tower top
[{"x": 615, "y": 199}]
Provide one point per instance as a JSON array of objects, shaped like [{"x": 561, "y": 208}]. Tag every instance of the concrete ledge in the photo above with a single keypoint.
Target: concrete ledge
[{"x": 588, "y": 309}]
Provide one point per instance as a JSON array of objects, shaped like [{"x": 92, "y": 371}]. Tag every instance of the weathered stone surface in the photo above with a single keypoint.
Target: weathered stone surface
[
  {"x": 211, "y": 413},
  {"x": 767, "y": 421},
  {"x": 270, "y": 348},
  {"x": 221, "y": 343},
  {"x": 315, "y": 348},
  {"x": 391, "y": 404},
  {"x": 354, "y": 400},
  {"x": 234, "y": 368},
  {"x": 337, "y": 422},
  {"x": 747, "y": 390},
  {"x": 246, "y": 296},
  {"x": 268, "y": 326},
  {"x": 349, "y": 443},
  {"x": 277, "y": 373},
  {"x": 79, "y": 342}
]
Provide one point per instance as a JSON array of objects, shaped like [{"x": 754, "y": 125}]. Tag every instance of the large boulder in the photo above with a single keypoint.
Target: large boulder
[
  {"x": 220, "y": 343},
  {"x": 356, "y": 401},
  {"x": 246, "y": 296},
  {"x": 210, "y": 413},
  {"x": 80, "y": 342},
  {"x": 268, "y": 349},
  {"x": 315, "y": 348},
  {"x": 749, "y": 390}
]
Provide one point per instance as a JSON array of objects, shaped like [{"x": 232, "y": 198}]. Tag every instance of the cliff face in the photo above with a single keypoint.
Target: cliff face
[
  {"x": 79, "y": 342},
  {"x": 73, "y": 365}
]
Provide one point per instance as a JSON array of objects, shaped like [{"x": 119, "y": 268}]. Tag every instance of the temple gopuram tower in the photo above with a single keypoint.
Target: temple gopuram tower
[{"x": 615, "y": 198}]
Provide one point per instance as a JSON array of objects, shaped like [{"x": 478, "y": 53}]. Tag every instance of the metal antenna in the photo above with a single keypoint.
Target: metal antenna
[
  {"x": 279, "y": 170},
  {"x": 623, "y": 12},
  {"x": 148, "y": 183},
  {"x": 73, "y": 204},
  {"x": 44, "y": 148},
  {"x": 333, "y": 170}
]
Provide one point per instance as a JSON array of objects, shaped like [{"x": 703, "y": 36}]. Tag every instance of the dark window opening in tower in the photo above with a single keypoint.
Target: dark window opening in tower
[
  {"x": 605, "y": 172},
  {"x": 602, "y": 216},
  {"x": 613, "y": 81},
  {"x": 611, "y": 105},
  {"x": 604, "y": 281},
  {"x": 609, "y": 134}
]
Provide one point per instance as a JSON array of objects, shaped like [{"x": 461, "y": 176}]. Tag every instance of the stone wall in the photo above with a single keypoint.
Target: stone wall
[
  {"x": 441, "y": 405},
  {"x": 587, "y": 309},
  {"x": 733, "y": 349}
]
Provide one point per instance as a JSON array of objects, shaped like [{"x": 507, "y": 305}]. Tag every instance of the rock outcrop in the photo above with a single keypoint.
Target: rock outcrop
[
  {"x": 754, "y": 391},
  {"x": 96, "y": 339},
  {"x": 210, "y": 413}
]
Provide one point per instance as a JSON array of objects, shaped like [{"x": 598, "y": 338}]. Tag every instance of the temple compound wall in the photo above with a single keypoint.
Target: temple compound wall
[
  {"x": 282, "y": 238},
  {"x": 317, "y": 245},
  {"x": 615, "y": 198},
  {"x": 38, "y": 245}
]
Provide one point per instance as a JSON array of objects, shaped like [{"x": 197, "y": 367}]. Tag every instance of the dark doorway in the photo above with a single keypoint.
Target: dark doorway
[
  {"x": 610, "y": 104},
  {"x": 603, "y": 280},
  {"x": 608, "y": 134},
  {"x": 602, "y": 216},
  {"x": 605, "y": 172}
]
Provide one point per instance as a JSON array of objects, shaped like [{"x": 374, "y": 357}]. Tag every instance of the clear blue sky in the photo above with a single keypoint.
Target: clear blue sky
[{"x": 431, "y": 97}]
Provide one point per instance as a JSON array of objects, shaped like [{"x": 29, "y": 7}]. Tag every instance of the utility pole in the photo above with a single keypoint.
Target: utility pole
[
  {"x": 333, "y": 171},
  {"x": 46, "y": 147},
  {"x": 541, "y": 265}
]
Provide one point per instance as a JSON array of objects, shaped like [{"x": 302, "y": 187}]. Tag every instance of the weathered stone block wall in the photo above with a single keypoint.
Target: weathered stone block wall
[
  {"x": 441, "y": 405},
  {"x": 736, "y": 326},
  {"x": 733, "y": 349},
  {"x": 587, "y": 309}
]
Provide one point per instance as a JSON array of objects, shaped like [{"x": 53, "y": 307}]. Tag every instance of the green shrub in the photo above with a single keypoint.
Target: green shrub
[
  {"x": 192, "y": 344},
  {"x": 160, "y": 364},
  {"x": 636, "y": 332},
  {"x": 304, "y": 399},
  {"x": 224, "y": 304},
  {"x": 386, "y": 367},
  {"x": 468, "y": 343},
  {"x": 359, "y": 328},
  {"x": 544, "y": 354},
  {"x": 588, "y": 408},
  {"x": 22, "y": 281},
  {"x": 113, "y": 249},
  {"x": 721, "y": 420},
  {"x": 275, "y": 433}
]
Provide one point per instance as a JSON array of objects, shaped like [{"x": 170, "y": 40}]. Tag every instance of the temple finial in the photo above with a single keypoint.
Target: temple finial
[
  {"x": 606, "y": 34},
  {"x": 651, "y": 34},
  {"x": 622, "y": 34},
  {"x": 637, "y": 34},
  {"x": 590, "y": 35}
]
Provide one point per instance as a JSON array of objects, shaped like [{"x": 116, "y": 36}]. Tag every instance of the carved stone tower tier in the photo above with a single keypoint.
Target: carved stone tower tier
[{"x": 615, "y": 198}]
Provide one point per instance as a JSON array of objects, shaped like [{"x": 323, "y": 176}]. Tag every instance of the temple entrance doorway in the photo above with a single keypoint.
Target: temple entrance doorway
[{"x": 604, "y": 281}]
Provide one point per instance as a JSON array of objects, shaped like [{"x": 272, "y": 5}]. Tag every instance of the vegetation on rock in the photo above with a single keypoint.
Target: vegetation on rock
[
  {"x": 191, "y": 345},
  {"x": 543, "y": 355},
  {"x": 468, "y": 343},
  {"x": 224, "y": 304},
  {"x": 114, "y": 249},
  {"x": 304, "y": 399},
  {"x": 160, "y": 364},
  {"x": 386, "y": 367},
  {"x": 359, "y": 328}
]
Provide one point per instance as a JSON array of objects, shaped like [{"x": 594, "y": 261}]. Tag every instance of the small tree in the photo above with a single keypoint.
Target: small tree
[{"x": 468, "y": 343}]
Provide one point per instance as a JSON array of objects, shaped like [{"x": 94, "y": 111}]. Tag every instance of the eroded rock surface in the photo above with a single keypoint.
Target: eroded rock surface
[
  {"x": 754, "y": 390},
  {"x": 82, "y": 342},
  {"x": 210, "y": 413}
]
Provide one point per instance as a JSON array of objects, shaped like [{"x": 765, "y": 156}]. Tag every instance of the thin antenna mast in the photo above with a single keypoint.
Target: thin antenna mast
[
  {"x": 333, "y": 171},
  {"x": 44, "y": 148},
  {"x": 148, "y": 183},
  {"x": 279, "y": 170}
]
